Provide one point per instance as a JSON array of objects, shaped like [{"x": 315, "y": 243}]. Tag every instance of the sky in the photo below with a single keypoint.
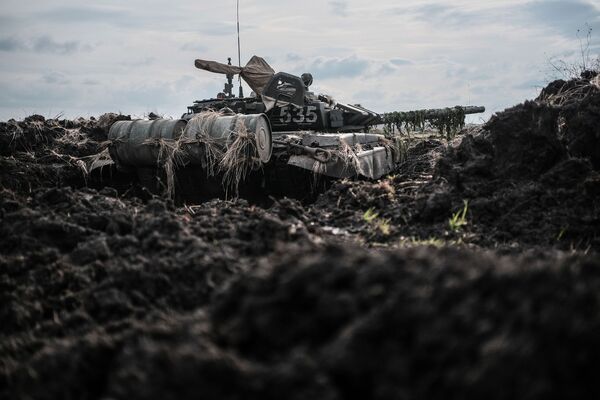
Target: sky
[{"x": 74, "y": 58}]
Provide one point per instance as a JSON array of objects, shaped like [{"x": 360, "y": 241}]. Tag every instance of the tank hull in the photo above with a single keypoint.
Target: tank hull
[{"x": 212, "y": 145}]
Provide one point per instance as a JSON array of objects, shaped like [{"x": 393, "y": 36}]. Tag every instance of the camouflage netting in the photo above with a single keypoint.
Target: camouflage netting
[{"x": 448, "y": 122}]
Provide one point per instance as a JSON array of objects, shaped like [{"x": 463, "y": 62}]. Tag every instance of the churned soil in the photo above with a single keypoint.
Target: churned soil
[
  {"x": 530, "y": 177},
  {"x": 108, "y": 291}
]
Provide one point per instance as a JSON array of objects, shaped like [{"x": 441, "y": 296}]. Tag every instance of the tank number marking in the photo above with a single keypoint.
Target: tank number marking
[{"x": 306, "y": 115}]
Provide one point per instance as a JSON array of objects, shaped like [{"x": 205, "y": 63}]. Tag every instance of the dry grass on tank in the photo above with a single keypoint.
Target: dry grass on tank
[
  {"x": 169, "y": 157},
  {"x": 197, "y": 128},
  {"x": 240, "y": 158},
  {"x": 349, "y": 156}
]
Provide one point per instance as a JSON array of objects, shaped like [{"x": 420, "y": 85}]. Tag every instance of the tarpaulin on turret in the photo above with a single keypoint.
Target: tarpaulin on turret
[{"x": 256, "y": 73}]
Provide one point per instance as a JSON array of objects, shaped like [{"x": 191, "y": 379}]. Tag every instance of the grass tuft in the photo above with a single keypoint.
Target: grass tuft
[
  {"x": 381, "y": 225},
  {"x": 459, "y": 219}
]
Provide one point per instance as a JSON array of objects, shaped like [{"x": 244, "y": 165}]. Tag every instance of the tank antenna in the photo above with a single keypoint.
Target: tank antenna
[{"x": 239, "y": 49}]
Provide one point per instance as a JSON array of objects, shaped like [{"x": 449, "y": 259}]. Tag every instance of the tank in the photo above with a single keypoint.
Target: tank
[{"x": 281, "y": 126}]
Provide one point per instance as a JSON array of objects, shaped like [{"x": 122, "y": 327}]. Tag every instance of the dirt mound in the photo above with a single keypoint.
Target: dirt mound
[
  {"x": 75, "y": 138},
  {"x": 82, "y": 270},
  {"x": 392, "y": 324},
  {"x": 579, "y": 103},
  {"x": 519, "y": 143},
  {"x": 527, "y": 140},
  {"x": 82, "y": 237},
  {"x": 39, "y": 152},
  {"x": 537, "y": 159},
  {"x": 309, "y": 323}
]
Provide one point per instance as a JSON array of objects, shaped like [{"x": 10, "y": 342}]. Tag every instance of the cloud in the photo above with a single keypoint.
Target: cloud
[
  {"x": 18, "y": 94},
  {"x": 393, "y": 66},
  {"x": 339, "y": 7},
  {"x": 43, "y": 44},
  {"x": 55, "y": 78},
  {"x": 293, "y": 57},
  {"x": 529, "y": 84},
  {"x": 23, "y": 95},
  {"x": 11, "y": 44},
  {"x": 139, "y": 63},
  {"x": 217, "y": 28},
  {"x": 442, "y": 14},
  {"x": 460, "y": 71},
  {"x": 7, "y": 22},
  {"x": 565, "y": 16},
  {"x": 349, "y": 67},
  {"x": 84, "y": 14},
  {"x": 400, "y": 62},
  {"x": 194, "y": 47},
  {"x": 386, "y": 69},
  {"x": 144, "y": 17}
]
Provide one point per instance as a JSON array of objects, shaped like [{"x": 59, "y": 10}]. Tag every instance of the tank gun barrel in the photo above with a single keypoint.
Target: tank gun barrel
[
  {"x": 466, "y": 110},
  {"x": 432, "y": 113},
  {"x": 446, "y": 120}
]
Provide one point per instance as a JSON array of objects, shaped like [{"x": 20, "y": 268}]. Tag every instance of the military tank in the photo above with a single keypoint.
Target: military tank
[{"x": 282, "y": 128}]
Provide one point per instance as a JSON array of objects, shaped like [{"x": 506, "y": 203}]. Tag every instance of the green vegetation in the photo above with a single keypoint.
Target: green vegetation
[
  {"x": 459, "y": 218},
  {"x": 560, "y": 235},
  {"x": 405, "y": 121},
  {"x": 447, "y": 121},
  {"x": 378, "y": 224},
  {"x": 431, "y": 241}
]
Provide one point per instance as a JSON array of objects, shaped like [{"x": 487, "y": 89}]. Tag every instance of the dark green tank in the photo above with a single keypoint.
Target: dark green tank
[{"x": 281, "y": 125}]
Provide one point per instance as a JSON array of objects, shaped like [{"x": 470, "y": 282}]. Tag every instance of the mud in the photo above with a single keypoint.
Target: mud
[{"x": 108, "y": 291}]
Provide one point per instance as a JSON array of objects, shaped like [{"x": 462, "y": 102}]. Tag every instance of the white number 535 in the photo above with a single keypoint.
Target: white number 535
[{"x": 303, "y": 115}]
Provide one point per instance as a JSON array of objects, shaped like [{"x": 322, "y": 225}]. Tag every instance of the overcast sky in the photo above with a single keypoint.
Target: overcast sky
[{"x": 86, "y": 58}]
